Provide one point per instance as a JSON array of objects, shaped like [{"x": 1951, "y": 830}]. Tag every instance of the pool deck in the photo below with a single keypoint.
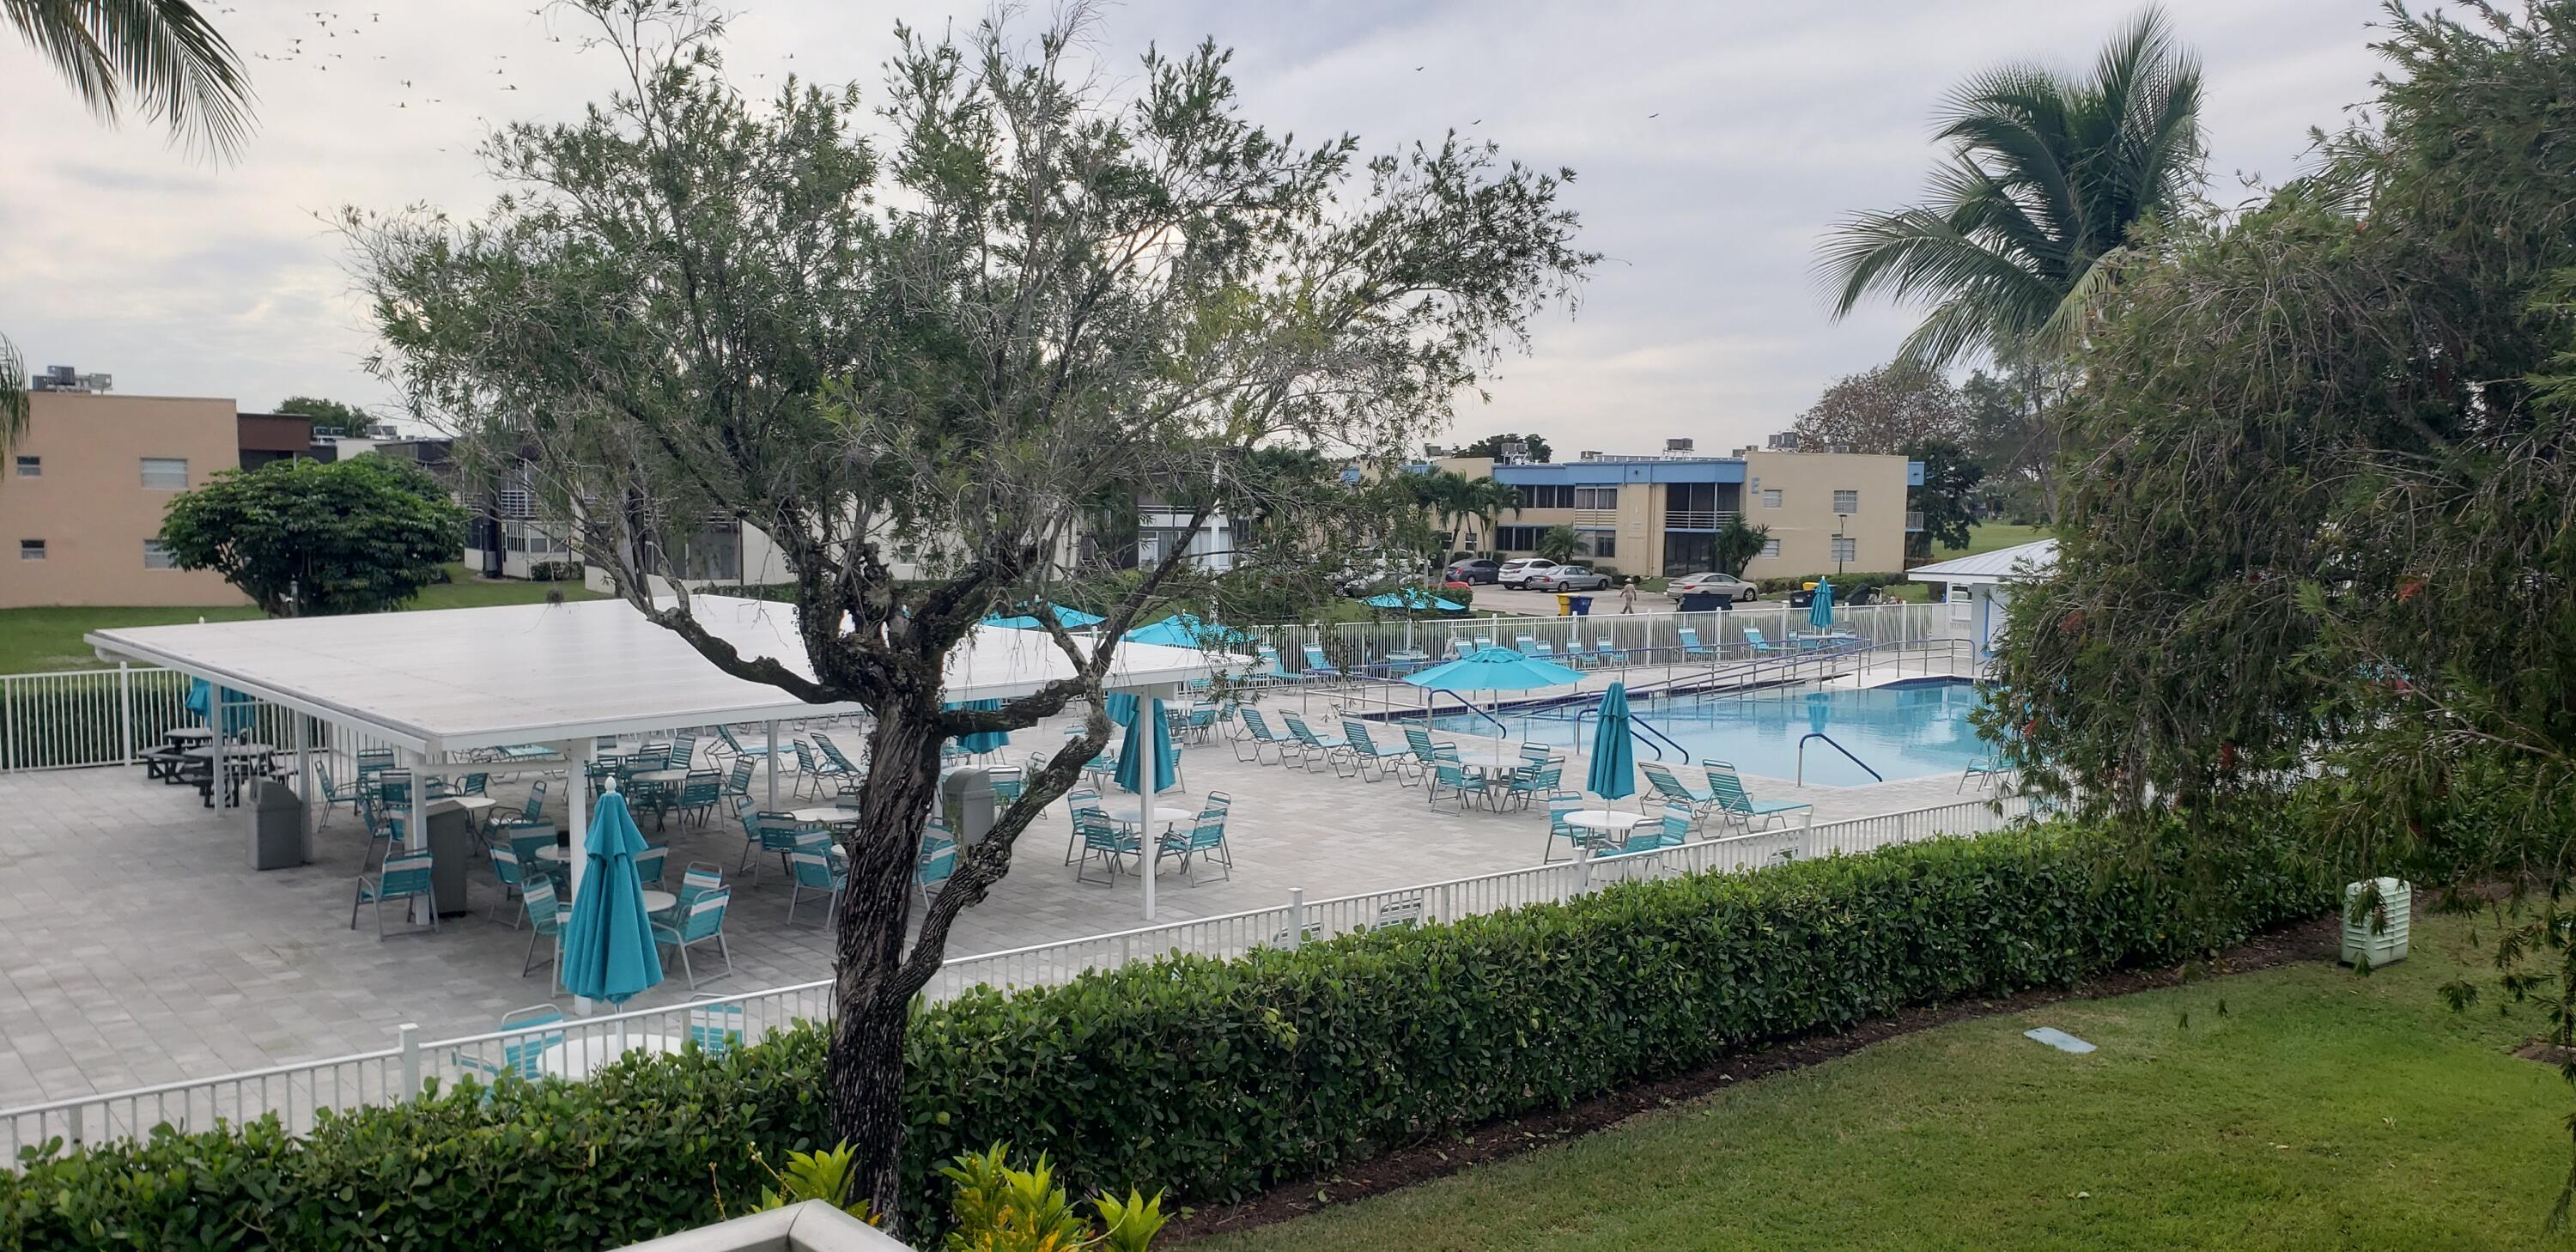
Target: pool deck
[{"x": 137, "y": 947}]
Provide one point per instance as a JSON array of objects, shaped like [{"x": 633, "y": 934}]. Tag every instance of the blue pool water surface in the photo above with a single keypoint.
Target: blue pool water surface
[{"x": 1903, "y": 732}]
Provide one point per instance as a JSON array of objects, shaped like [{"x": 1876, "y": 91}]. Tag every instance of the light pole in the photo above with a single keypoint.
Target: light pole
[{"x": 1838, "y": 543}]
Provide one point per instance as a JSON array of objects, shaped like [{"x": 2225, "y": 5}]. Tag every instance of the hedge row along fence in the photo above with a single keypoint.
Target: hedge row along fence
[{"x": 1211, "y": 1078}]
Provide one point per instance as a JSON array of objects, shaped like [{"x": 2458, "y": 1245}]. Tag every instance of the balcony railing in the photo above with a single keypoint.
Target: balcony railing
[
  {"x": 1698, "y": 519},
  {"x": 1596, "y": 518},
  {"x": 1914, "y": 519}
]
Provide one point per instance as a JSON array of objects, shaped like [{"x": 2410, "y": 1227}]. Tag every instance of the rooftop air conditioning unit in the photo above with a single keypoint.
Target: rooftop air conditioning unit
[
  {"x": 1785, "y": 441},
  {"x": 1591, "y": 456},
  {"x": 1679, "y": 445},
  {"x": 1434, "y": 451}
]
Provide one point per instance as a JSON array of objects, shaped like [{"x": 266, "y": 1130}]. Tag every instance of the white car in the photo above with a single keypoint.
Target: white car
[
  {"x": 1517, "y": 573},
  {"x": 1712, "y": 584}
]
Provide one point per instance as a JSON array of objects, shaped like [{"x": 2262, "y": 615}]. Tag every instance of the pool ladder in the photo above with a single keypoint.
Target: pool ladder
[{"x": 1847, "y": 755}]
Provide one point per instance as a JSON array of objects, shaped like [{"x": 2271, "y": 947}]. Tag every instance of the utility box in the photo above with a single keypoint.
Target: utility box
[
  {"x": 966, "y": 803},
  {"x": 276, "y": 827},
  {"x": 2378, "y": 935}
]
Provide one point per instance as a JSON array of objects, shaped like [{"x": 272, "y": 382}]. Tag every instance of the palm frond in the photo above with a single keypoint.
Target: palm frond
[
  {"x": 163, "y": 54},
  {"x": 13, "y": 394}
]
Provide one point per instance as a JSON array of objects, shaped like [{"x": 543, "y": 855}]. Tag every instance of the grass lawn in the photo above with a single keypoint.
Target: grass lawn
[
  {"x": 1988, "y": 536},
  {"x": 50, "y": 638},
  {"x": 2295, "y": 1108}
]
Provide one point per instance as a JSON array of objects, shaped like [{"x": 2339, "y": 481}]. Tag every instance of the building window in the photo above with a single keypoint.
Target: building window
[
  {"x": 1596, "y": 497},
  {"x": 1601, "y": 542},
  {"x": 156, "y": 555},
  {"x": 1846, "y": 549},
  {"x": 1771, "y": 548},
  {"x": 165, "y": 473},
  {"x": 1517, "y": 538},
  {"x": 31, "y": 467},
  {"x": 1846, "y": 502},
  {"x": 1771, "y": 497},
  {"x": 1547, "y": 497},
  {"x": 31, "y": 549}
]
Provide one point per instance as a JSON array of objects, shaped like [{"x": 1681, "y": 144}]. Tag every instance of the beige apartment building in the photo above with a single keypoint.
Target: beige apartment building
[
  {"x": 1828, "y": 512},
  {"x": 83, "y": 494}
]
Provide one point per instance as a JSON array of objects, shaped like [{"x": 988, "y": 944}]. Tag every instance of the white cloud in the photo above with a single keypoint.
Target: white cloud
[{"x": 1775, "y": 121}]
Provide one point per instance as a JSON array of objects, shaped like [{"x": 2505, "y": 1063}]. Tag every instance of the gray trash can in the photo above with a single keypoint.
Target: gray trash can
[
  {"x": 451, "y": 851},
  {"x": 966, "y": 800},
  {"x": 277, "y": 827}
]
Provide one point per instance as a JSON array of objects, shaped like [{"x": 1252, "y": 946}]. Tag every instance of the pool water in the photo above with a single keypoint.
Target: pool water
[{"x": 1910, "y": 731}]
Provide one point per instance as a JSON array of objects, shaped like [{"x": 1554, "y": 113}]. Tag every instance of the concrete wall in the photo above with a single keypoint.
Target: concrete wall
[
  {"x": 1805, "y": 521},
  {"x": 90, "y": 506}
]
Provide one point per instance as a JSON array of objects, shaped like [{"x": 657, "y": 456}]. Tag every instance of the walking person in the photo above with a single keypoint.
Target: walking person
[{"x": 1628, "y": 596}]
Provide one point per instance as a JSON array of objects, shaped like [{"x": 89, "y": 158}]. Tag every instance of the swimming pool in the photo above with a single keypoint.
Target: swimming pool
[{"x": 1909, "y": 731}]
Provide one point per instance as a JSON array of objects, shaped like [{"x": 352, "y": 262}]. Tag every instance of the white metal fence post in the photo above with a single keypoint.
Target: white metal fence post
[
  {"x": 1296, "y": 917},
  {"x": 125, "y": 710},
  {"x": 1807, "y": 836},
  {"x": 407, "y": 1036}
]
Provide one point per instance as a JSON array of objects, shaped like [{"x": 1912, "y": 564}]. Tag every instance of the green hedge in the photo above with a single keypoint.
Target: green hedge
[{"x": 1212, "y": 1078}]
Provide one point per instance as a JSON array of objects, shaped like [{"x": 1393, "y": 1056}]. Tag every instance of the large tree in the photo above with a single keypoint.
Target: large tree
[
  {"x": 2323, "y": 535},
  {"x": 1031, "y": 292},
  {"x": 1535, "y": 447},
  {"x": 305, "y": 539},
  {"x": 2014, "y": 418},
  {"x": 330, "y": 417},
  {"x": 2047, "y": 175},
  {"x": 1884, "y": 410},
  {"x": 1950, "y": 478}
]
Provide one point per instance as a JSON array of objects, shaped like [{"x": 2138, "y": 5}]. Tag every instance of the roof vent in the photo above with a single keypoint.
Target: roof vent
[
  {"x": 1679, "y": 445},
  {"x": 66, "y": 378},
  {"x": 1591, "y": 456}
]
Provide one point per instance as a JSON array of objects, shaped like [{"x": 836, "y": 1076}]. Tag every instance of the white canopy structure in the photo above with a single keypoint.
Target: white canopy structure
[
  {"x": 436, "y": 683},
  {"x": 1986, "y": 580}
]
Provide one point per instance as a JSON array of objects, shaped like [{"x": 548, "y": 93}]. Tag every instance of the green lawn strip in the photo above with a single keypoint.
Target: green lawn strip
[
  {"x": 42, "y": 639},
  {"x": 2316, "y": 1109},
  {"x": 1988, "y": 536}
]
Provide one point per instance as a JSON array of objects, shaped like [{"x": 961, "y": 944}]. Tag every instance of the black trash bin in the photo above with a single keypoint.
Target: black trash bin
[
  {"x": 1700, "y": 601},
  {"x": 277, "y": 827}
]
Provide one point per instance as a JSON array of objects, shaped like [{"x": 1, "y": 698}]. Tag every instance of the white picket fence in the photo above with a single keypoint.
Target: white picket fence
[{"x": 297, "y": 1092}]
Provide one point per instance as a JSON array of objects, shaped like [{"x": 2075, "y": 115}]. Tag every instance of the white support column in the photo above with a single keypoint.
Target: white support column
[
  {"x": 577, "y": 805},
  {"x": 416, "y": 826},
  {"x": 304, "y": 779},
  {"x": 769, "y": 765}
]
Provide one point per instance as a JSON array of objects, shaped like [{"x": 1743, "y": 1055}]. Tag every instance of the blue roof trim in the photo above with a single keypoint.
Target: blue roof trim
[{"x": 1914, "y": 473}]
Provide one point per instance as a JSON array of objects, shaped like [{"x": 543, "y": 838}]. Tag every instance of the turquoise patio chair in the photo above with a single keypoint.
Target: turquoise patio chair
[
  {"x": 506, "y": 871},
  {"x": 1447, "y": 772},
  {"x": 1532, "y": 782},
  {"x": 1420, "y": 750},
  {"x": 1674, "y": 788},
  {"x": 1364, "y": 750},
  {"x": 651, "y": 864},
  {"x": 1203, "y": 843},
  {"x": 1604, "y": 653},
  {"x": 716, "y": 1025},
  {"x": 930, "y": 874},
  {"x": 1310, "y": 746},
  {"x": 1076, "y": 802},
  {"x": 1103, "y": 839},
  {"x": 1316, "y": 666},
  {"x": 694, "y": 923},
  {"x": 1691, "y": 646},
  {"x": 1258, "y": 733},
  {"x": 1525, "y": 644},
  {"x": 1561, "y": 805},
  {"x": 1755, "y": 644},
  {"x": 816, "y": 866},
  {"x": 1740, "y": 806},
  {"x": 547, "y": 916},
  {"x": 523, "y": 1051},
  {"x": 698, "y": 795},
  {"x": 1991, "y": 769},
  {"x": 347, "y": 793},
  {"x": 404, "y": 876}
]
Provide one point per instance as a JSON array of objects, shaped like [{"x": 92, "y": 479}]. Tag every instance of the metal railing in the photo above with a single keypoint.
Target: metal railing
[{"x": 296, "y": 1092}]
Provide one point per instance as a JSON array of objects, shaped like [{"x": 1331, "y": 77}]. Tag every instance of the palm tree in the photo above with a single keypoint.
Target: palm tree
[
  {"x": 165, "y": 54},
  {"x": 1562, "y": 544},
  {"x": 168, "y": 57},
  {"x": 2024, "y": 225},
  {"x": 1484, "y": 501}
]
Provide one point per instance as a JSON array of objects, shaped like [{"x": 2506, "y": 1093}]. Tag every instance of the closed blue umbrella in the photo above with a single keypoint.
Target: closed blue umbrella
[
  {"x": 1121, "y": 707},
  {"x": 1070, "y": 619},
  {"x": 982, "y": 741},
  {"x": 1820, "y": 611},
  {"x": 608, "y": 951},
  {"x": 1614, "y": 759},
  {"x": 239, "y": 710},
  {"x": 1146, "y": 755}
]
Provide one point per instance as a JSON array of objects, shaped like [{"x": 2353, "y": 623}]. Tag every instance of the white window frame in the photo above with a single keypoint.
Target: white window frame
[
  {"x": 1846, "y": 549},
  {"x": 1771, "y": 548},
  {"x": 165, "y": 462},
  {"x": 1770, "y": 497},
  {"x": 1846, "y": 500},
  {"x": 153, "y": 547},
  {"x": 30, "y": 467},
  {"x": 31, "y": 549}
]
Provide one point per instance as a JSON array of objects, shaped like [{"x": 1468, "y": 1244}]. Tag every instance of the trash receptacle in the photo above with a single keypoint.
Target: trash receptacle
[
  {"x": 1698, "y": 601},
  {"x": 277, "y": 827},
  {"x": 1725, "y": 602},
  {"x": 966, "y": 800},
  {"x": 1582, "y": 605},
  {"x": 1564, "y": 604},
  {"x": 451, "y": 851}
]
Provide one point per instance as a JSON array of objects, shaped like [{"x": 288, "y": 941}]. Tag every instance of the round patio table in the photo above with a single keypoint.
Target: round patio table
[
  {"x": 656, "y": 902},
  {"x": 1126, "y": 812},
  {"x": 1607, "y": 822},
  {"x": 576, "y": 1058},
  {"x": 824, "y": 815},
  {"x": 1490, "y": 759},
  {"x": 186, "y": 736}
]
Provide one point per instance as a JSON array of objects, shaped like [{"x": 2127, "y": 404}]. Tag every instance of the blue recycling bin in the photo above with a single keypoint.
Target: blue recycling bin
[{"x": 1581, "y": 606}]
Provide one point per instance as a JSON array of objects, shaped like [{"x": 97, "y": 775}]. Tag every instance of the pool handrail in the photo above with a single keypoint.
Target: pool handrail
[{"x": 1847, "y": 755}]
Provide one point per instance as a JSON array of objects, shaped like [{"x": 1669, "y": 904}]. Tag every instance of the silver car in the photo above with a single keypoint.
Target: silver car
[
  {"x": 1713, "y": 583},
  {"x": 1569, "y": 578}
]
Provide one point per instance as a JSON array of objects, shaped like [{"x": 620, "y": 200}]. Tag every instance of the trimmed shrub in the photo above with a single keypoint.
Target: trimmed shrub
[{"x": 1211, "y": 1078}]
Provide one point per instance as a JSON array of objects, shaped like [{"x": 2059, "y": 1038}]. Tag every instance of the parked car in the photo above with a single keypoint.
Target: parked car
[
  {"x": 1570, "y": 578},
  {"x": 1376, "y": 567},
  {"x": 1713, "y": 584},
  {"x": 1518, "y": 572},
  {"x": 1477, "y": 571}
]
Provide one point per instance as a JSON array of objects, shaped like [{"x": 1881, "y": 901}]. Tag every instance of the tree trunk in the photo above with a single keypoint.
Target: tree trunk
[{"x": 869, "y": 1009}]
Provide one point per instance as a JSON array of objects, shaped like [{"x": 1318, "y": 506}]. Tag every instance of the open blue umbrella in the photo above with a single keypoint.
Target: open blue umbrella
[
  {"x": 1188, "y": 630},
  {"x": 1614, "y": 759},
  {"x": 239, "y": 710},
  {"x": 608, "y": 951},
  {"x": 1494, "y": 669},
  {"x": 1070, "y": 619},
  {"x": 1411, "y": 598},
  {"x": 982, "y": 741},
  {"x": 1121, "y": 707},
  {"x": 1146, "y": 755},
  {"x": 1820, "y": 611}
]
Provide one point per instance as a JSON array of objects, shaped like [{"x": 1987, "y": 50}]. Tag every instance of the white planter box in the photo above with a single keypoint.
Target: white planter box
[{"x": 2378, "y": 936}]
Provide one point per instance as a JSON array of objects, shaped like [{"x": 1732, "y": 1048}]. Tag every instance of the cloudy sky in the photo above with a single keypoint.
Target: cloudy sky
[{"x": 1715, "y": 142}]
